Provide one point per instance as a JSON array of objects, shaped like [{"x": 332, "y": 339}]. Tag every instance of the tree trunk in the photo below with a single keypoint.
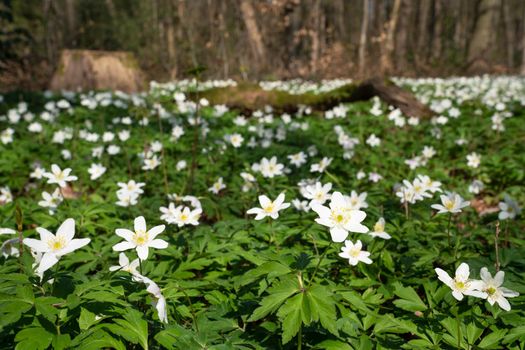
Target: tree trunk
[
  {"x": 509, "y": 34},
  {"x": 254, "y": 35},
  {"x": 523, "y": 48},
  {"x": 481, "y": 41},
  {"x": 314, "y": 54},
  {"x": 423, "y": 29},
  {"x": 363, "y": 37},
  {"x": 389, "y": 43}
]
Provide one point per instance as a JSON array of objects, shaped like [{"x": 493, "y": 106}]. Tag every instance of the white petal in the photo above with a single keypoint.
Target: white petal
[
  {"x": 123, "y": 246},
  {"x": 67, "y": 229},
  {"x": 462, "y": 272},
  {"x": 443, "y": 276},
  {"x": 499, "y": 277},
  {"x": 45, "y": 235},
  {"x": 48, "y": 260},
  {"x": 140, "y": 224},
  {"x": 142, "y": 252},
  {"x": 338, "y": 234},
  {"x": 36, "y": 244},
  {"x": 153, "y": 232},
  {"x": 264, "y": 201},
  {"x": 74, "y": 245},
  {"x": 159, "y": 244},
  {"x": 124, "y": 233},
  {"x": 503, "y": 303},
  {"x": 457, "y": 295},
  {"x": 123, "y": 259},
  {"x": 485, "y": 275}
]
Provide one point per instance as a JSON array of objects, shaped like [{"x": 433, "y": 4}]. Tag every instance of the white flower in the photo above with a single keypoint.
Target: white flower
[
  {"x": 461, "y": 284},
  {"x": 141, "y": 239},
  {"x": 451, "y": 203},
  {"x": 428, "y": 152},
  {"x": 38, "y": 173},
  {"x": 151, "y": 163},
  {"x": 58, "y": 176},
  {"x": 429, "y": 184},
  {"x": 6, "y": 136},
  {"x": 297, "y": 159},
  {"x": 301, "y": 205},
  {"x": 495, "y": 292},
  {"x": 321, "y": 166},
  {"x": 318, "y": 193},
  {"x": 113, "y": 149},
  {"x": 51, "y": 200},
  {"x": 509, "y": 209},
  {"x": 379, "y": 230},
  {"x": 339, "y": 217},
  {"x": 55, "y": 246},
  {"x": 181, "y": 164},
  {"x": 125, "y": 265},
  {"x": 354, "y": 253},
  {"x": 473, "y": 160},
  {"x": 5, "y": 195},
  {"x": 373, "y": 140},
  {"x": 236, "y": 140},
  {"x": 217, "y": 186},
  {"x": 476, "y": 187},
  {"x": 186, "y": 216},
  {"x": 96, "y": 171},
  {"x": 357, "y": 201},
  {"x": 159, "y": 302},
  {"x": 270, "y": 168},
  {"x": 269, "y": 208}
]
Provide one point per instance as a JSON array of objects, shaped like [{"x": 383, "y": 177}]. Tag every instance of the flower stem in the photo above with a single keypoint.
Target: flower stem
[
  {"x": 496, "y": 246},
  {"x": 448, "y": 228},
  {"x": 318, "y": 264},
  {"x": 300, "y": 338}
]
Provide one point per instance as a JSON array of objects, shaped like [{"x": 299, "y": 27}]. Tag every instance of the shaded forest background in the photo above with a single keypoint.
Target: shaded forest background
[{"x": 267, "y": 39}]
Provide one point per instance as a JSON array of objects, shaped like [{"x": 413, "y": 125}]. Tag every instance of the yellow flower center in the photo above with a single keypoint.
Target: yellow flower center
[
  {"x": 140, "y": 238},
  {"x": 491, "y": 290},
  {"x": 56, "y": 243},
  {"x": 269, "y": 208},
  {"x": 183, "y": 217},
  {"x": 459, "y": 285},
  {"x": 354, "y": 252},
  {"x": 449, "y": 204}
]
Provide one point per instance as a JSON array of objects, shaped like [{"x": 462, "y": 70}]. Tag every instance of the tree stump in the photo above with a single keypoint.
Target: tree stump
[{"x": 97, "y": 70}]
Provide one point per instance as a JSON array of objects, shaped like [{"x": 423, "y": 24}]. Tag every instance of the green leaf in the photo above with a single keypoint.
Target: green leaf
[
  {"x": 86, "y": 319},
  {"x": 33, "y": 338},
  {"x": 410, "y": 300},
  {"x": 333, "y": 345},
  {"x": 493, "y": 340},
  {"x": 278, "y": 293},
  {"x": 134, "y": 323},
  {"x": 323, "y": 307},
  {"x": 292, "y": 315}
]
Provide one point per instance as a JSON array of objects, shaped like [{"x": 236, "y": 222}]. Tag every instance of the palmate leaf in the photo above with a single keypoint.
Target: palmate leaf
[
  {"x": 410, "y": 300},
  {"x": 33, "y": 338},
  {"x": 133, "y": 328},
  {"x": 293, "y": 313},
  {"x": 278, "y": 293},
  {"x": 322, "y": 307}
]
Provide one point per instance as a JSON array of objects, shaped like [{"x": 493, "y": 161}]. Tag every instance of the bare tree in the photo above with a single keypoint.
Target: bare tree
[
  {"x": 481, "y": 41},
  {"x": 389, "y": 44},
  {"x": 254, "y": 35},
  {"x": 363, "y": 37}
]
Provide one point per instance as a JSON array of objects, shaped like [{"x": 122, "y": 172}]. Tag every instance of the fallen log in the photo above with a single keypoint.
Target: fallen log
[{"x": 247, "y": 97}]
